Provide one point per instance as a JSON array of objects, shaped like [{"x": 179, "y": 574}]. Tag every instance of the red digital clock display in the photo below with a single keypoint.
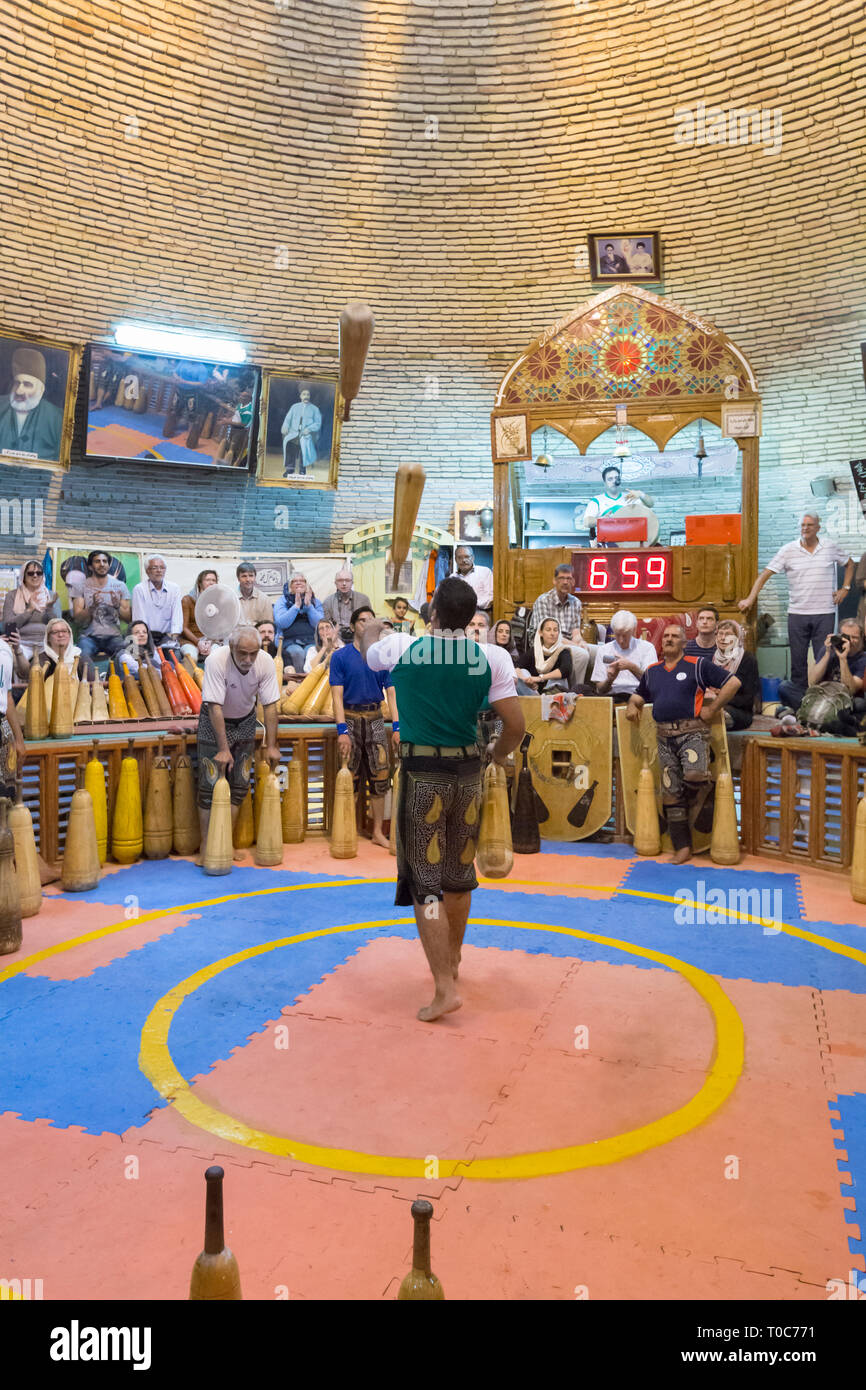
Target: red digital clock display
[{"x": 622, "y": 571}]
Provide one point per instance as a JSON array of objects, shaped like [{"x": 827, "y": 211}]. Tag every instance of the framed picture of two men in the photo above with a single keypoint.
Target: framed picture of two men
[
  {"x": 631, "y": 256},
  {"x": 299, "y": 439},
  {"x": 38, "y": 383}
]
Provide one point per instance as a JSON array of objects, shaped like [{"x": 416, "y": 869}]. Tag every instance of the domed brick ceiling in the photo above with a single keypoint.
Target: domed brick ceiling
[{"x": 251, "y": 166}]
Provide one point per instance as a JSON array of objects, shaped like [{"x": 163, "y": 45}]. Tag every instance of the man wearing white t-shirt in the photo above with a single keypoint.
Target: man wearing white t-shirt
[
  {"x": 810, "y": 567},
  {"x": 235, "y": 678},
  {"x": 619, "y": 664}
]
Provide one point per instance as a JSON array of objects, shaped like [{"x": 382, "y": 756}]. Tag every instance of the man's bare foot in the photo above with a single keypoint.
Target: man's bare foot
[
  {"x": 379, "y": 839},
  {"x": 199, "y": 861},
  {"x": 442, "y": 1004},
  {"x": 239, "y": 856},
  {"x": 682, "y": 855}
]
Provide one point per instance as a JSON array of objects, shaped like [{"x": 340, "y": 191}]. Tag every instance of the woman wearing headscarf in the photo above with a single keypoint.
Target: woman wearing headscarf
[
  {"x": 27, "y": 610},
  {"x": 137, "y": 643},
  {"x": 502, "y": 636},
  {"x": 731, "y": 654},
  {"x": 58, "y": 645},
  {"x": 546, "y": 666}
]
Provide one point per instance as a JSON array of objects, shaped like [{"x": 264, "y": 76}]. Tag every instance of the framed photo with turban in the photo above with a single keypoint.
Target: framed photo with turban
[
  {"x": 616, "y": 256},
  {"x": 38, "y": 382},
  {"x": 299, "y": 433}
]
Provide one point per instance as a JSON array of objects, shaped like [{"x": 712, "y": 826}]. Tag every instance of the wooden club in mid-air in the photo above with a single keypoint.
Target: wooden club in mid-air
[{"x": 408, "y": 487}]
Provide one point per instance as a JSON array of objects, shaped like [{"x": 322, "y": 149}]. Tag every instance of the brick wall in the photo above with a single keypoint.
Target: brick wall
[{"x": 248, "y": 166}]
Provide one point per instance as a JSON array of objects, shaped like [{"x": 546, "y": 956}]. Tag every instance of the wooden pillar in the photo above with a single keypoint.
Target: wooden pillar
[
  {"x": 501, "y": 502},
  {"x": 749, "y": 551}
]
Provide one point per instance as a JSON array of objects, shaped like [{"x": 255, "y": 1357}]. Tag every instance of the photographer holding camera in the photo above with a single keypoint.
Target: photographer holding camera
[{"x": 844, "y": 659}]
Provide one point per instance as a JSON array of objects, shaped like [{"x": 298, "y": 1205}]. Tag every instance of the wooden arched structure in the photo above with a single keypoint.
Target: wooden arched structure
[{"x": 668, "y": 367}]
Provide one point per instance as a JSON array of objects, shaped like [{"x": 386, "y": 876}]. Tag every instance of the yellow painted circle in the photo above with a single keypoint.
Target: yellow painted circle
[{"x": 157, "y": 1064}]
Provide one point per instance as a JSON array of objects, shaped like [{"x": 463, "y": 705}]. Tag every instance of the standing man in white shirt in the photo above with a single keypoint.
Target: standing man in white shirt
[
  {"x": 158, "y": 603},
  {"x": 810, "y": 566},
  {"x": 620, "y": 663},
  {"x": 235, "y": 678},
  {"x": 480, "y": 578}
]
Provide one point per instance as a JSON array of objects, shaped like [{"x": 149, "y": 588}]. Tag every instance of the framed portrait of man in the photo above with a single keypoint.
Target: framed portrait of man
[
  {"x": 634, "y": 256},
  {"x": 38, "y": 382},
  {"x": 299, "y": 437}
]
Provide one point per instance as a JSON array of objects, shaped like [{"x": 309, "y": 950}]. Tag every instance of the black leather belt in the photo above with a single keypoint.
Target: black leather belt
[{"x": 429, "y": 750}]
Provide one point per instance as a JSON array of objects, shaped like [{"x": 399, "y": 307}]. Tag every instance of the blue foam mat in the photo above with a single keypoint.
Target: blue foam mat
[{"x": 70, "y": 1047}]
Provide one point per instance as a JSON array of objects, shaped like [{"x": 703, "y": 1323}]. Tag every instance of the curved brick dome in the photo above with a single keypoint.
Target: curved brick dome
[{"x": 250, "y": 167}]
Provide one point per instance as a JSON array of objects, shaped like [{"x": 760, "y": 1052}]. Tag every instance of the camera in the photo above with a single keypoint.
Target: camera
[{"x": 838, "y": 643}]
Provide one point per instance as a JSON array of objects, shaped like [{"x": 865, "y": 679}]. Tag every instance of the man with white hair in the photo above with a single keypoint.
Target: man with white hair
[
  {"x": 300, "y": 431},
  {"x": 478, "y": 576},
  {"x": 235, "y": 678},
  {"x": 810, "y": 567},
  {"x": 620, "y": 663},
  {"x": 339, "y": 606},
  {"x": 158, "y": 603},
  {"x": 29, "y": 425}
]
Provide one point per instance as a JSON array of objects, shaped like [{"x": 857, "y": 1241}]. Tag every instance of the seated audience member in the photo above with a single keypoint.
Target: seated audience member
[
  {"x": 11, "y": 735},
  {"x": 546, "y": 666},
  {"x": 620, "y": 663},
  {"x": 267, "y": 634},
  {"x": 704, "y": 641},
  {"x": 502, "y": 637},
  {"x": 156, "y": 602},
  {"x": 58, "y": 645},
  {"x": 296, "y": 614},
  {"x": 138, "y": 642},
  {"x": 560, "y": 603},
  {"x": 100, "y": 602},
  {"x": 478, "y": 576},
  {"x": 75, "y": 569},
  {"x": 27, "y": 609},
  {"x": 387, "y": 626},
  {"x": 732, "y": 657},
  {"x": 328, "y": 640},
  {"x": 339, "y": 606},
  {"x": 195, "y": 645},
  {"x": 256, "y": 607},
  {"x": 405, "y": 619},
  {"x": 479, "y": 628},
  {"x": 843, "y": 660}
]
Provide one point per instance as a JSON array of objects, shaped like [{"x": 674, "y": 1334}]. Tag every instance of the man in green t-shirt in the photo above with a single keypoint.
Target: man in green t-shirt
[{"x": 441, "y": 680}]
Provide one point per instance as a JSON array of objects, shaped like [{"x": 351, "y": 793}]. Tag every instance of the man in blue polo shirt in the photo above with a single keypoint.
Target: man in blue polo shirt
[
  {"x": 358, "y": 693},
  {"x": 675, "y": 687}
]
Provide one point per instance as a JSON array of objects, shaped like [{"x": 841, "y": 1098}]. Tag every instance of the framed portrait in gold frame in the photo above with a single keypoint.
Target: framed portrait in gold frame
[
  {"x": 38, "y": 383},
  {"x": 299, "y": 430}
]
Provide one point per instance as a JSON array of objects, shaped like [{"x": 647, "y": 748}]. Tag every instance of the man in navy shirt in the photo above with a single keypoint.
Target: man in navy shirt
[
  {"x": 358, "y": 693},
  {"x": 675, "y": 686}
]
